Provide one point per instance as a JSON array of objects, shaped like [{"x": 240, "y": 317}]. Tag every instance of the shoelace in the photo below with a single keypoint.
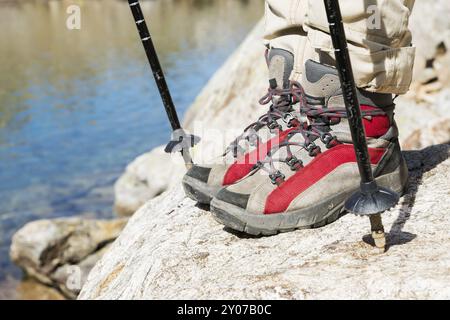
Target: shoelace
[
  {"x": 317, "y": 127},
  {"x": 282, "y": 101}
]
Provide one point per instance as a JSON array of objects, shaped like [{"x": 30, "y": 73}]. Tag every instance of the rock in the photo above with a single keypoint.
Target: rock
[
  {"x": 61, "y": 252},
  {"x": 431, "y": 36},
  {"x": 173, "y": 249},
  {"x": 434, "y": 133},
  {"x": 423, "y": 124},
  {"x": 429, "y": 33},
  {"x": 30, "y": 289},
  {"x": 74, "y": 275},
  {"x": 27, "y": 289},
  {"x": 145, "y": 178}
]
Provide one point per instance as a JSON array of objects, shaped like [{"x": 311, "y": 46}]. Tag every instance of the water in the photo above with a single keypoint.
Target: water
[{"x": 77, "y": 105}]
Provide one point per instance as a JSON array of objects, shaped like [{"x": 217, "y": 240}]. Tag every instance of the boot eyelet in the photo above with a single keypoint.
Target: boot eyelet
[
  {"x": 326, "y": 138},
  {"x": 314, "y": 152},
  {"x": 329, "y": 140},
  {"x": 293, "y": 123},
  {"x": 313, "y": 149},
  {"x": 277, "y": 178},
  {"x": 252, "y": 139},
  {"x": 294, "y": 163},
  {"x": 288, "y": 117},
  {"x": 332, "y": 143},
  {"x": 332, "y": 121},
  {"x": 273, "y": 125}
]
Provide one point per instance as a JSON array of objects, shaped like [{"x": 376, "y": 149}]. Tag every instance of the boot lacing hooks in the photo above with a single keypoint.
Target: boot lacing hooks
[
  {"x": 275, "y": 175},
  {"x": 287, "y": 97}
]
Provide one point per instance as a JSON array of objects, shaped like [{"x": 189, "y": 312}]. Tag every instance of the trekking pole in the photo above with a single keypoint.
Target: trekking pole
[
  {"x": 181, "y": 141},
  {"x": 371, "y": 200}
]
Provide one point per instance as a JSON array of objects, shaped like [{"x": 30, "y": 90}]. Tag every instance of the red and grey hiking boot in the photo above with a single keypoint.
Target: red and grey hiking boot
[
  {"x": 201, "y": 183},
  {"x": 304, "y": 180}
]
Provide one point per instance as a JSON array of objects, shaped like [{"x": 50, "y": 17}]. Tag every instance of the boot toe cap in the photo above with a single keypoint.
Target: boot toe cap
[
  {"x": 237, "y": 199},
  {"x": 199, "y": 173}
]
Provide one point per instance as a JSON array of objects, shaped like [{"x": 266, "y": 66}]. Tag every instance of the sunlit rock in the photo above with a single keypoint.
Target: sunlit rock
[{"x": 61, "y": 252}]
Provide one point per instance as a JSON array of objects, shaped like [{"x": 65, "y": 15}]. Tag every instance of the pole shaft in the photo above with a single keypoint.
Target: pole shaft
[
  {"x": 344, "y": 66},
  {"x": 154, "y": 63}
]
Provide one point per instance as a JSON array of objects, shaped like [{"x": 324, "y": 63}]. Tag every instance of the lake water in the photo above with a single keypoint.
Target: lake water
[{"x": 76, "y": 106}]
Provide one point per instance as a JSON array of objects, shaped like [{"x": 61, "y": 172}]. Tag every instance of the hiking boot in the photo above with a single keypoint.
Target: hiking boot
[
  {"x": 304, "y": 180},
  {"x": 202, "y": 182}
]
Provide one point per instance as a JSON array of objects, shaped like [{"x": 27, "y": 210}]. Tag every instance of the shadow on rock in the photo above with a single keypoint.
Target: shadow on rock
[
  {"x": 243, "y": 235},
  {"x": 203, "y": 206},
  {"x": 419, "y": 162}
]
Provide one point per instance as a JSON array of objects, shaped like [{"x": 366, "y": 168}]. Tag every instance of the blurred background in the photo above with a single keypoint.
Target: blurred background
[{"x": 76, "y": 106}]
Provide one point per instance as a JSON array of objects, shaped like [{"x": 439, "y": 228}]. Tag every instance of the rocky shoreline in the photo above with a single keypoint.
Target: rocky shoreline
[
  {"x": 61, "y": 252},
  {"x": 139, "y": 264}
]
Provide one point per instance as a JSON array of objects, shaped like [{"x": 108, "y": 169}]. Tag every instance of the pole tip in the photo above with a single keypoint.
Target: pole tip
[{"x": 379, "y": 239}]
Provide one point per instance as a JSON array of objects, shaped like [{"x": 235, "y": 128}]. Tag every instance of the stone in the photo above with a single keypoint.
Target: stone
[
  {"x": 173, "y": 249},
  {"x": 430, "y": 28},
  {"x": 53, "y": 250},
  {"x": 425, "y": 123},
  {"x": 146, "y": 177},
  {"x": 29, "y": 289},
  {"x": 434, "y": 133}
]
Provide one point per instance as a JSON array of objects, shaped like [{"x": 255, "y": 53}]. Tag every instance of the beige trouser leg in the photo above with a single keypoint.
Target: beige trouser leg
[{"x": 377, "y": 32}]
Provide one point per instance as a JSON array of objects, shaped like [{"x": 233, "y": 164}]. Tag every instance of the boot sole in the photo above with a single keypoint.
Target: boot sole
[
  {"x": 325, "y": 212},
  {"x": 198, "y": 190}
]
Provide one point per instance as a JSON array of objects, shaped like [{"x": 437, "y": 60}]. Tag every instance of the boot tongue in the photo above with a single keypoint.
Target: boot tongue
[
  {"x": 280, "y": 63},
  {"x": 323, "y": 88},
  {"x": 322, "y": 85},
  {"x": 320, "y": 81}
]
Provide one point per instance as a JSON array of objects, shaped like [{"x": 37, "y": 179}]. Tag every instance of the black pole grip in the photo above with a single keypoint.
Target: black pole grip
[
  {"x": 344, "y": 67},
  {"x": 154, "y": 64}
]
